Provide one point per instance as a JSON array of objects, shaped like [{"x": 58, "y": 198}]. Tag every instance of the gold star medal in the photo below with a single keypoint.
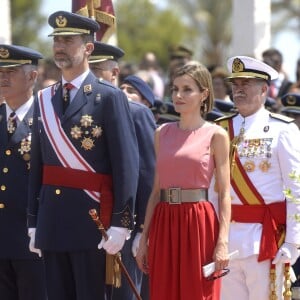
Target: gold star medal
[
  {"x": 76, "y": 132},
  {"x": 86, "y": 120},
  {"x": 87, "y": 143},
  {"x": 96, "y": 132}
]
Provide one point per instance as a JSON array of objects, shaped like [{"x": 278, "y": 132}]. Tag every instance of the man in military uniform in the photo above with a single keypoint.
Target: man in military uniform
[
  {"x": 291, "y": 107},
  {"x": 84, "y": 156},
  {"x": 22, "y": 274},
  {"x": 264, "y": 153},
  {"x": 104, "y": 63}
]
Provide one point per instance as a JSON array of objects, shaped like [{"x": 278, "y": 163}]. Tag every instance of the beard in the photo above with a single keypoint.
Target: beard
[{"x": 62, "y": 60}]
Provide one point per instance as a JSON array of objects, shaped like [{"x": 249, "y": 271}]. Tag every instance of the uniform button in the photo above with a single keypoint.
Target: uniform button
[
  {"x": 2, "y": 205},
  {"x": 5, "y": 170},
  {"x": 57, "y": 191},
  {"x": 3, "y": 187},
  {"x": 8, "y": 152}
]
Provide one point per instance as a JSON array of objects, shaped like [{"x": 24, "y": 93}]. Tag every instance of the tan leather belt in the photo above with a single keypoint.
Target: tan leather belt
[{"x": 178, "y": 195}]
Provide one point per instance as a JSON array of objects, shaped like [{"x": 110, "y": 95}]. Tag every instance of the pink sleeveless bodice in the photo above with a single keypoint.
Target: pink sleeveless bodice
[{"x": 184, "y": 157}]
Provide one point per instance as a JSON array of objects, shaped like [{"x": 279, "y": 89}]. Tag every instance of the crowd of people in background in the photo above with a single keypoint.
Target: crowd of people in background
[
  {"x": 85, "y": 127},
  {"x": 150, "y": 70}
]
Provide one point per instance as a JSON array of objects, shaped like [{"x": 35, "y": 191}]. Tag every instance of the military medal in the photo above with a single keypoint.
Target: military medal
[
  {"x": 25, "y": 147},
  {"x": 76, "y": 132},
  {"x": 96, "y": 131},
  {"x": 86, "y": 121},
  {"x": 87, "y": 143},
  {"x": 86, "y": 132},
  {"x": 26, "y": 156},
  {"x": 249, "y": 166},
  {"x": 264, "y": 166}
]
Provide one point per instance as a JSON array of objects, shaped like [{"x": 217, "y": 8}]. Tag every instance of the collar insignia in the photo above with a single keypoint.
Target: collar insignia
[{"x": 87, "y": 88}]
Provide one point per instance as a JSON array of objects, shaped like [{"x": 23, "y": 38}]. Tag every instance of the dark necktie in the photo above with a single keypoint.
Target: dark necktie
[
  {"x": 11, "y": 124},
  {"x": 66, "y": 100}
]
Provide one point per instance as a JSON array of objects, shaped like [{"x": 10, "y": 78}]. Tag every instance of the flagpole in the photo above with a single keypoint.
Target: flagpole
[
  {"x": 91, "y": 9},
  {"x": 91, "y": 13}
]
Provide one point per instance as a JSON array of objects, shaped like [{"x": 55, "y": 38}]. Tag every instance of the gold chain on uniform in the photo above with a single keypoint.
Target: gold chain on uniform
[
  {"x": 287, "y": 294},
  {"x": 234, "y": 145}
]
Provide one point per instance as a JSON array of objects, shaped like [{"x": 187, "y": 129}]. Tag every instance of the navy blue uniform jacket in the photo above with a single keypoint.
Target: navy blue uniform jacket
[
  {"x": 145, "y": 126},
  {"x": 60, "y": 214},
  {"x": 14, "y": 166}
]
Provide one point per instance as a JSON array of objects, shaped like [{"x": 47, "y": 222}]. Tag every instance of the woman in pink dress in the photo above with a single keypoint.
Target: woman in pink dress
[{"x": 182, "y": 231}]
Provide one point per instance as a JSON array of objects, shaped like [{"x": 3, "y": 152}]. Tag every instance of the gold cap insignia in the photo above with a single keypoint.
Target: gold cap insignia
[
  {"x": 291, "y": 100},
  {"x": 87, "y": 88},
  {"x": 237, "y": 66},
  {"x": 4, "y": 53},
  {"x": 61, "y": 21}
]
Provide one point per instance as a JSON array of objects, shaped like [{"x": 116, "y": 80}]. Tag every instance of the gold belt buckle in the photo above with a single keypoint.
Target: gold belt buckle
[{"x": 174, "y": 195}]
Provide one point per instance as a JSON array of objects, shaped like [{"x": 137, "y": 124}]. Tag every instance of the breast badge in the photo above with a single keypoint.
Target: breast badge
[
  {"x": 87, "y": 132},
  {"x": 259, "y": 150},
  {"x": 249, "y": 166},
  {"x": 25, "y": 148},
  {"x": 265, "y": 166}
]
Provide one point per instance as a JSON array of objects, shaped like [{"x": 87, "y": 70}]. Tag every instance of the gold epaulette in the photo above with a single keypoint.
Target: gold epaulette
[
  {"x": 230, "y": 116},
  {"x": 282, "y": 118}
]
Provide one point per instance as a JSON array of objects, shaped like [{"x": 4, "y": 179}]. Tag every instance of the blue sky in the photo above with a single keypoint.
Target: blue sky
[{"x": 50, "y": 6}]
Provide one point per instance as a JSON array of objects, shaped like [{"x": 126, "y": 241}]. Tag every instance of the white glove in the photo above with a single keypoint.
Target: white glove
[
  {"x": 136, "y": 244},
  {"x": 31, "y": 234},
  {"x": 116, "y": 239},
  {"x": 287, "y": 253}
]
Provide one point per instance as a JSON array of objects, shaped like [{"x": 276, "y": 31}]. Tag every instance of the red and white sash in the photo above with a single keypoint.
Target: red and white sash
[{"x": 65, "y": 151}]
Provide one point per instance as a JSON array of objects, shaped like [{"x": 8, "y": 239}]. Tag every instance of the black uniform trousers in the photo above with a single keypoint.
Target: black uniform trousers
[
  {"x": 20, "y": 279},
  {"x": 76, "y": 275}
]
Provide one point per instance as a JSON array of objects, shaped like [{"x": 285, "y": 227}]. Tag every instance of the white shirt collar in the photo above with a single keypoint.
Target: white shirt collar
[
  {"x": 78, "y": 80},
  {"x": 21, "y": 111}
]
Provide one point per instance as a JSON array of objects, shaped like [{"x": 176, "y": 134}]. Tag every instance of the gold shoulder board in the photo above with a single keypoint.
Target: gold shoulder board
[
  {"x": 282, "y": 118},
  {"x": 225, "y": 117}
]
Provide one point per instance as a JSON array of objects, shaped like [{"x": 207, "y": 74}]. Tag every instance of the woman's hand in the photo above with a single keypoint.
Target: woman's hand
[
  {"x": 142, "y": 255},
  {"x": 221, "y": 258}
]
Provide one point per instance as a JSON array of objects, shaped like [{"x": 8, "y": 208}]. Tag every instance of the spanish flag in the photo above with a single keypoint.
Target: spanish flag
[{"x": 100, "y": 10}]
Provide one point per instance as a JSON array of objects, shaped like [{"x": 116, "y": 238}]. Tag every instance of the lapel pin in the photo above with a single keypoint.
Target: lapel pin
[{"x": 87, "y": 88}]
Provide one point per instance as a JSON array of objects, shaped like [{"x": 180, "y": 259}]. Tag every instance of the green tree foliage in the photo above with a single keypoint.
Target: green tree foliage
[
  {"x": 26, "y": 24},
  {"x": 212, "y": 20},
  {"x": 143, "y": 27},
  {"x": 286, "y": 15}
]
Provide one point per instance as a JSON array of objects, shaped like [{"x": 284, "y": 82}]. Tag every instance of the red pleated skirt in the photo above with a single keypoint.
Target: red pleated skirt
[{"x": 182, "y": 239}]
